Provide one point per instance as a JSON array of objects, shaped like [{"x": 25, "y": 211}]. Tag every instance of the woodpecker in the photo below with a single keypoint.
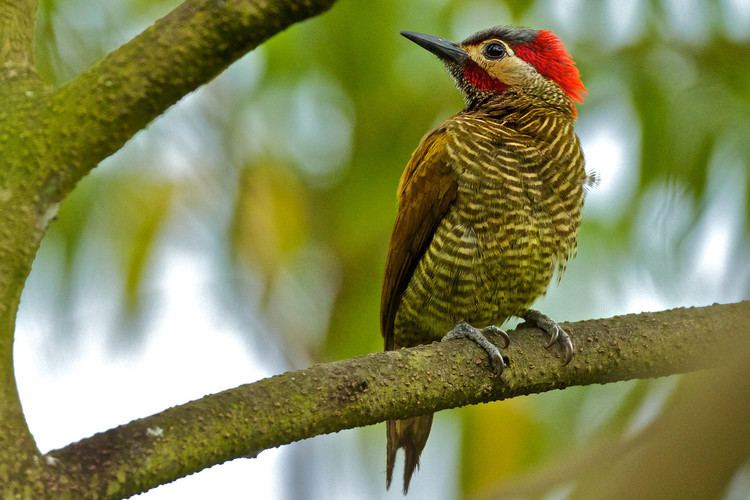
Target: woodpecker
[{"x": 488, "y": 205}]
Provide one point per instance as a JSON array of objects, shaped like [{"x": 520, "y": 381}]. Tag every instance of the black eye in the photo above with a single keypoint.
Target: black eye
[{"x": 494, "y": 50}]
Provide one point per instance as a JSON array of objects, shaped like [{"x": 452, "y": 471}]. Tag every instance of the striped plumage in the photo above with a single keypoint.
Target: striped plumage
[
  {"x": 489, "y": 206},
  {"x": 520, "y": 183}
]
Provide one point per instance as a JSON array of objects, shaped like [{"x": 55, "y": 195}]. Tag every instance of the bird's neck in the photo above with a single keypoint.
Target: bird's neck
[
  {"x": 518, "y": 102},
  {"x": 537, "y": 93}
]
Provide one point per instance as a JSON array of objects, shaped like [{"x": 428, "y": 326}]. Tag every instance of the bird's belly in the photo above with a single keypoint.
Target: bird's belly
[{"x": 481, "y": 273}]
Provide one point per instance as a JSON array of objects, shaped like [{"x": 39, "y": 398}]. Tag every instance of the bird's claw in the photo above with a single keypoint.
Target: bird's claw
[
  {"x": 465, "y": 330},
  {"x": 553, "y": 336},
  {"x": 556, "y": 334},
  {"x": 500, "y": 333}
]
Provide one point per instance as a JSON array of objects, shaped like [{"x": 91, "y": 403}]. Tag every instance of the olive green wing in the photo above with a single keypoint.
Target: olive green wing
[{"x": 427, "y": 189}]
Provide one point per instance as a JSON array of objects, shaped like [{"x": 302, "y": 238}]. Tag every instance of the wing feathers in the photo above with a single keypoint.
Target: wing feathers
[{"x": 426, "y": 191}]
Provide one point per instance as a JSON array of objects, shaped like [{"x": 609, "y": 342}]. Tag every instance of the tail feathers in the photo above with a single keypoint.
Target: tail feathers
[{"x": 410, "y": 434}]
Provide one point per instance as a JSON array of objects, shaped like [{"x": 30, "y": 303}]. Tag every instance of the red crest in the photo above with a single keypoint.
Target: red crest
[{"x": 548, "y": 55}]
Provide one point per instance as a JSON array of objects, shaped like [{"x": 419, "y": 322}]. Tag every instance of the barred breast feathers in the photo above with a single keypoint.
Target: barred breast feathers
[{"x": 532, "y": 150}]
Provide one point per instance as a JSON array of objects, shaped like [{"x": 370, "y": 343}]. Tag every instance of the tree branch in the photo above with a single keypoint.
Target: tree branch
[
  {"x": 17, "y": 19},
  {"x": 334, "y": 396},
  {"x": 49, "y": 139},
  {"x": 19, "y": 231},
  {"x": 95, "y": 114},
  {"x": 692, "y": 449}
]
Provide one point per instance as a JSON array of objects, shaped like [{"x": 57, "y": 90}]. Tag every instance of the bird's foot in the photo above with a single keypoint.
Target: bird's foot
[
  {"x": 465, "y": 330},
  {"x": 556, "y": 334}
]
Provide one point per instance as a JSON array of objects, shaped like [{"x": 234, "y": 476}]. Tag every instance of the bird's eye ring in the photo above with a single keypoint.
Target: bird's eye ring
[{"x": 494, "y": 50}]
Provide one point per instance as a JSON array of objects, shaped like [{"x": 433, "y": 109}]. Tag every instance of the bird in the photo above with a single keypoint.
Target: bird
[{"x": 489, "y": 206}]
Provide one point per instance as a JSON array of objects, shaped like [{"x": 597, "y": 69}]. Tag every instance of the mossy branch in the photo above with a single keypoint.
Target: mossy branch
[
  {"x": 95, "y": 114},
  {"x": 16, "y": 37},
  {"x": 50, "y": 138},
  {"x": 362, "y": 391}
]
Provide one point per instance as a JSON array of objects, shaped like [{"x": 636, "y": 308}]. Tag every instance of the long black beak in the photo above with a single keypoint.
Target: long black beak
[{"x": 444, "y": 49}]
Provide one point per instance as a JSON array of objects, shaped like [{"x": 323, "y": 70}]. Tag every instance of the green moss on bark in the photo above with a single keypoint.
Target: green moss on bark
[
  {"x": 22, "y": 223},
  {"x": 49, "y": 139},
  {"x": 335, "y": 396}
]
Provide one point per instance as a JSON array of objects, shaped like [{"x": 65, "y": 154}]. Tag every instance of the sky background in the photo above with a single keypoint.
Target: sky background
[{"x": 244, "y": 232}]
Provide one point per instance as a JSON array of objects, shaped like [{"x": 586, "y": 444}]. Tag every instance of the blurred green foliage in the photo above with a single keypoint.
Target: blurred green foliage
[{"x": 287, "y": 166}]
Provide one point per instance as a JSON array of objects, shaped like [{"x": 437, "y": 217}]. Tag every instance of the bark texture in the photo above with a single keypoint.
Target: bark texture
[
  {"x": 331, "y": 397},
  {"x": 50, "y": 138}
]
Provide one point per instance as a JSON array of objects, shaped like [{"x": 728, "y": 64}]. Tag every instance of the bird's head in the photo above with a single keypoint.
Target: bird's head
[{"x": 500, "y": 58}]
